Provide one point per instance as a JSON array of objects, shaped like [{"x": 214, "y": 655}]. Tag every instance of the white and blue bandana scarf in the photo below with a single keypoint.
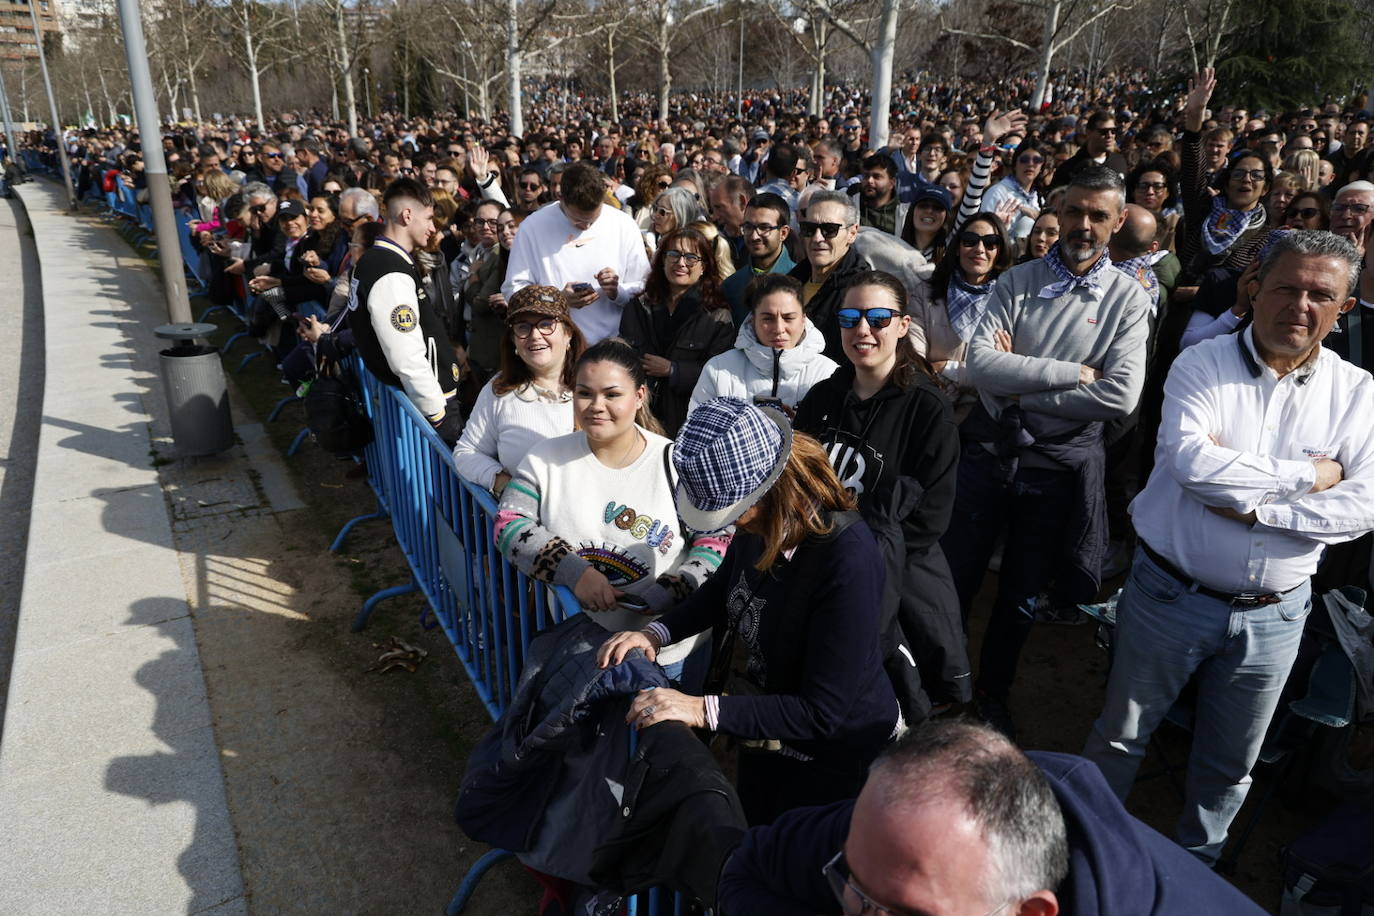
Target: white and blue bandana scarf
[
  {"x": 966, "y": 304},
  {"x": 1068, "y": 280},
  {"x": 1142, "y": 271},
  {"x": 1224, "y": 225}
]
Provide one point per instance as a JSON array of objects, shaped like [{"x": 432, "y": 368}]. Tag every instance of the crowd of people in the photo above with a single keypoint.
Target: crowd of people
[{"x": 772, "y": 397}]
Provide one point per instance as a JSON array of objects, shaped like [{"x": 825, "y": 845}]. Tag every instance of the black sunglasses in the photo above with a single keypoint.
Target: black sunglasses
[
  {"x": 1305, "y": 213},
  {"x": 260, "y": 209},
  {"x": 971, "y": 239},
  {"x": 877, "y": 318},
  {"x": 828, "y": 230}
]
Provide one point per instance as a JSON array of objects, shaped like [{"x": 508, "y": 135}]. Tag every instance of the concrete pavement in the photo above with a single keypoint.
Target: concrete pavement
[
  {"x": 21, "y": 404},
  {"x": 111, "y": 792}
]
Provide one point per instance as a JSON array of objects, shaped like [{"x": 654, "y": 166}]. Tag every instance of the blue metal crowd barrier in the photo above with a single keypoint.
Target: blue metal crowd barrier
[{"x": 488, "y": 609}]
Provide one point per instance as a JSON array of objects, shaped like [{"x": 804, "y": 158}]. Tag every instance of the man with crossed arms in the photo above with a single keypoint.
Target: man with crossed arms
[{"x": 1265, "y": 456}]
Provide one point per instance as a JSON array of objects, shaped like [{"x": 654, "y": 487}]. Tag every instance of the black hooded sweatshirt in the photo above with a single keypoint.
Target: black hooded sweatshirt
[{"x": 898, "y": 451}]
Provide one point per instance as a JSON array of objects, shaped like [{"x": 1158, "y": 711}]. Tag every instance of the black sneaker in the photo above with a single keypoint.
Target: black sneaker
[{"x": 994, "y": 712}]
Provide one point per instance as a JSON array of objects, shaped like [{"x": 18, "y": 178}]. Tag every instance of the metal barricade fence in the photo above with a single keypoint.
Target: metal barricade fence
[{"x": 488, "y": 609}]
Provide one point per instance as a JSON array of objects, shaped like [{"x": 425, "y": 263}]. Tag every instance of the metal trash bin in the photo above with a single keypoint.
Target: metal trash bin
[{"x": 197, "y": 395}]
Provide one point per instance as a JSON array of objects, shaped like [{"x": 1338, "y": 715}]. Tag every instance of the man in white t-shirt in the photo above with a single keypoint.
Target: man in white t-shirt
[{"x": 593, "y": 252}]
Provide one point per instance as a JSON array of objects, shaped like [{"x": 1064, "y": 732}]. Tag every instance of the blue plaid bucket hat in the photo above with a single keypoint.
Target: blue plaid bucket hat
[{"x": 728, "y": 454}]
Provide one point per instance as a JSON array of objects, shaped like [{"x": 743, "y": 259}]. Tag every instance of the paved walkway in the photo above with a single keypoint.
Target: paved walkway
[
  {"x": 112, "y": 796},
  {"x": 21, "y": 407}
]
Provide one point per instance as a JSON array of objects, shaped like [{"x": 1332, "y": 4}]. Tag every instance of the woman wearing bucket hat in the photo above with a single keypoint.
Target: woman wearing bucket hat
[
  {"x": 594, "y": 510},
  {"x": 530, "y": 399},
  {"x": 801, "y": 586}
]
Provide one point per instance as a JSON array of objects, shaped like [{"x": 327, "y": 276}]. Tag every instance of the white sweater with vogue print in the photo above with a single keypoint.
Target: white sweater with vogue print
[{"x": 565, "y": 511}]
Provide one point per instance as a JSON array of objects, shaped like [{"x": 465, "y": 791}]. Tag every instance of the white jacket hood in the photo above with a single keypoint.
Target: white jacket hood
[{"x": 793, "y": 361}]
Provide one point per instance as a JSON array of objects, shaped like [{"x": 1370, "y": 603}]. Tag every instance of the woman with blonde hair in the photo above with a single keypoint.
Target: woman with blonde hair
[
  {"x": 801, "y": 586},
  {"x": 1305, "y": 164},
  {"x": 725, "y": 266}
]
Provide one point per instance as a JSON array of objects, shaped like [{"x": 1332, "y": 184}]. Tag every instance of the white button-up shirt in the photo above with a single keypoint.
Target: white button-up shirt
[{"x": 1270, "y": 431}]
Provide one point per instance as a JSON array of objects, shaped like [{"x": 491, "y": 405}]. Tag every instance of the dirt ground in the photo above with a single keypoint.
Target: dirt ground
[{"x": 342, "y": 781}]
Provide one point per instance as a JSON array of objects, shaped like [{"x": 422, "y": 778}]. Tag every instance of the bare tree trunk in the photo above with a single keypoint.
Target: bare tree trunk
[
  {"x": 822, "y": 36},
  {"x": 346, "y": 71},
  {"x": 882, "y": 54},
  {"x": 665, "y": 70},
  {"x": 1042, "y": 79},
  {"x": 251, "y": 55},
  {"x": 514, "y": 99},
  {"x": 105, "y": 91},
  {"x": 610, "y": 72},
  {"x": 191, "y": 67}
]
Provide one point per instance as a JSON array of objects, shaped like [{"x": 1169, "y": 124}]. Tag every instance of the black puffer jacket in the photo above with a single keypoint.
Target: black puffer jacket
[{"x": 539, "y": 782}]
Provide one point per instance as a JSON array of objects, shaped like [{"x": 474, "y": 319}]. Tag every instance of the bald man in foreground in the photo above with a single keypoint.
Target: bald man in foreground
[{"x": 956, "y": 821}]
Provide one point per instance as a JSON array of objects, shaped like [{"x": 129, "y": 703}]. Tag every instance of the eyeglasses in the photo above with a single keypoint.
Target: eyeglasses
[
  {"x": 1305, "y": 213},
  {"x": 972, "y": 239},
  {"x": 847, "y": 893},
  {"x": 260, "y": 209},
  {"x": 272, "y": 155},
  {"x": 1347, "y": 207},
  {"x": 1152, "y": 185},
  {"x": 523, "y": 329},
  {"x": 479, "y": 221},
  {"x": 799, "y": 170},
  {"x": 530, "y": 186},
  {"x": 852, "y": 126},
  {"x": 853, "y": 901},
  {"x": 662, "y": 211},
  {"x": 663, "y": 185},
  {"x": 1031, "y": 159},
  {"x": 877, "y": 318},
  {"x": 691, "y": 260},
  {"x": 828, "y": 230},
  {"x": 1111, "y": 131},
  {"x": 764, "y": 228},
  {"x": 1252, "y": 174}
]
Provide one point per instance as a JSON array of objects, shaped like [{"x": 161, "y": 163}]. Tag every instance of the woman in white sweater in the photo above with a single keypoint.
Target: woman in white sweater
[
  {"x": 778, "y": 352},
  {"x": 530, "y": 399},
  {"x": 594, "y": 510}
]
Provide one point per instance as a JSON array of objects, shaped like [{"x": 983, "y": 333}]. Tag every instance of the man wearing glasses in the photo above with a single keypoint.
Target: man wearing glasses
[
  {"x": 529, "y": 190},
  {"x": 828, "y": 229},
  {"x": 765, "y": 230},
  {"x": 1352, "y": 218},
  {"x": 955, "y": 820},
  {"x": 1097, "y": 144},
  {"x": 593, "y": 252}
]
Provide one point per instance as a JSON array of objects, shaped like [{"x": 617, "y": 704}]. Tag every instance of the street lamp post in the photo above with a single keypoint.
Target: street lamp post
[
  {"x": 52, "y": 106},
  {"x": 154, "y": 165}
]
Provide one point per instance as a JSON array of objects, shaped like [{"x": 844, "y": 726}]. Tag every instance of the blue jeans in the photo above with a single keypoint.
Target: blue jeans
[{"x": 1165, "y": 632}]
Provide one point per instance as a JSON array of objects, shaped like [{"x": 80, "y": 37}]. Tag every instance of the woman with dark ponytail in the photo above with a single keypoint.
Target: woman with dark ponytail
[
  {"x": 891, "y": 437},
  {"x": 594, "y": 510}
]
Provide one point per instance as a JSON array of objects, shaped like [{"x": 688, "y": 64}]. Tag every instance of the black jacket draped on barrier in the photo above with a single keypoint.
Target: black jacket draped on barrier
[{"x": 555, "y": 781}]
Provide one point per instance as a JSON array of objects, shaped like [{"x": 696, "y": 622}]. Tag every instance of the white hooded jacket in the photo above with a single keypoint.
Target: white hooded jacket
[{"x": 752, "y": 369}]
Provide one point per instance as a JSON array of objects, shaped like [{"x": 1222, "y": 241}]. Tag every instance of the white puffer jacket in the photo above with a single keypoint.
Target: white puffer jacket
[{"x": 750, "y": 369}]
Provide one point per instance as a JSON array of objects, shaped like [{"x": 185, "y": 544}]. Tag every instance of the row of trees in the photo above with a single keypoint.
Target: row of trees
[{"x": 351, "y": 57}]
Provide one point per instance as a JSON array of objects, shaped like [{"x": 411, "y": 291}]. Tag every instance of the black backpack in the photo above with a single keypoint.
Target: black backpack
[{"x": 335, "y": 413}]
